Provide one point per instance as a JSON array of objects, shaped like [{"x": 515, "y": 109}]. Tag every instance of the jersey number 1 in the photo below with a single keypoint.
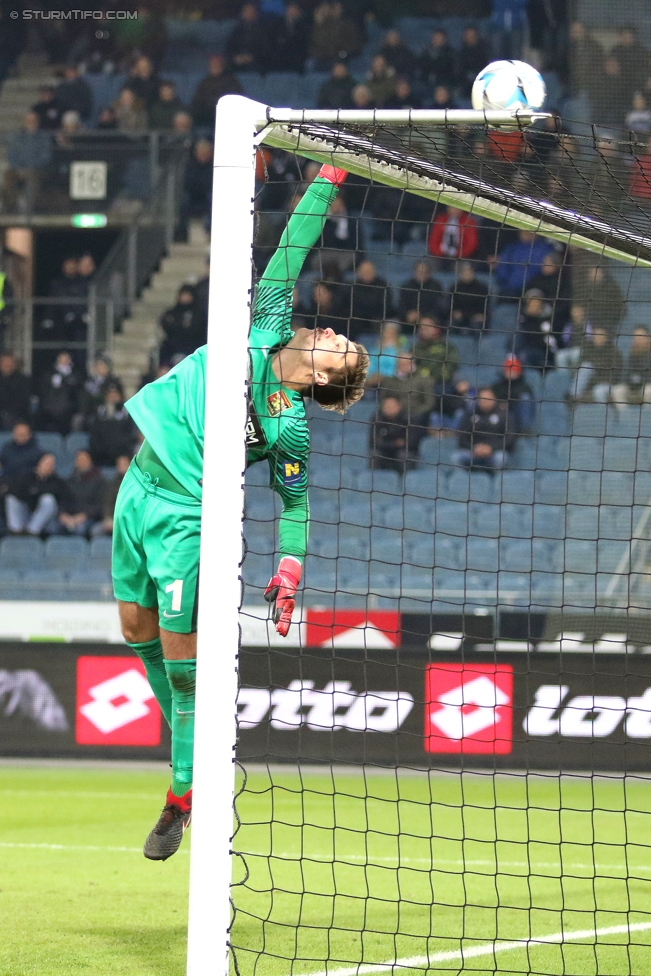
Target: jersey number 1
[{"x": 176, "y": 589}]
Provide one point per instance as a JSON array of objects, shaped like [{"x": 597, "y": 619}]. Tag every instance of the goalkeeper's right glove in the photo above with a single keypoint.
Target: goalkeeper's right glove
[
  {"x": 332, "y": 174},
  {"x": 281, "y": 591}
]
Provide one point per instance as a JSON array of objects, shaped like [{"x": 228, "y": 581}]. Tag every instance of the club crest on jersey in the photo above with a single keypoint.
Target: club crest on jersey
[
  {"x": 277, "y": 402},
  {"x": 292, "y": 472}
]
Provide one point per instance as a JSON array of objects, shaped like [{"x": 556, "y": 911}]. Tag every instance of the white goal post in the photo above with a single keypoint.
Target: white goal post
[{"x": 241, "y": 125}]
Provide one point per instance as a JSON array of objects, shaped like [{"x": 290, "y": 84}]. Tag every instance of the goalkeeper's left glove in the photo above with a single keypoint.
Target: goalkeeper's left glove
[{"x": 281, "y": 591}]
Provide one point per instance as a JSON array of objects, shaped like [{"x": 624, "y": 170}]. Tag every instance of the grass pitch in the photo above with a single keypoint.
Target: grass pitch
[{"x": 438, "y": 871}]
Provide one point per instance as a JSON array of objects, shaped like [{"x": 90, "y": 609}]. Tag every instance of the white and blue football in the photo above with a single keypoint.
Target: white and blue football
[{"x": 508, "y": 85}]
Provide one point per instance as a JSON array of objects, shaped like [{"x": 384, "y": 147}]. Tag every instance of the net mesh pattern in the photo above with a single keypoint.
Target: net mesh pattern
[{"x": 444, "y": 765}]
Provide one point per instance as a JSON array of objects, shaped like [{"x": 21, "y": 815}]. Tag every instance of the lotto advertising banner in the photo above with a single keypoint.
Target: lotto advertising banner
[{"x": 79, "y": 700}]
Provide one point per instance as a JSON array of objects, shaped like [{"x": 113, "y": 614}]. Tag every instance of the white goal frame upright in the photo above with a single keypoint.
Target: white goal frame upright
[{"x": 241, "y": 125}]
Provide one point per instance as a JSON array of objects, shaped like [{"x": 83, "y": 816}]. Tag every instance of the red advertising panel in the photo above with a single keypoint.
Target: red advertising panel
[
  {"x": 353, "y": 628},
  {"x": 115, "y": 705},
  {"x": 468, "y": 708}
]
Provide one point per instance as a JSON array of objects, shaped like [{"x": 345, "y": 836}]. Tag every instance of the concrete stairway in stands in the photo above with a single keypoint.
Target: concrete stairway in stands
[{"x": 132, "y": 348}]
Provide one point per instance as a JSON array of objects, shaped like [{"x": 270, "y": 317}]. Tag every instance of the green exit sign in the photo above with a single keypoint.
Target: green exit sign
[{"x": 89, "y": 220}]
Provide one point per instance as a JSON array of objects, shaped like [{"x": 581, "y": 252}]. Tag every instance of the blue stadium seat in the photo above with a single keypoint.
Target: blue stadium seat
[
  {"x": 517, "y": 585},
  {"x": 580, "y": 557},
  {"x": 257, "y": 474},
  {"x": 556, "y": 384},
  {"x": 617, "y": 487},
  {"x": 551, "y": 487},
  {"x": 322, "y": 475},
  {"x": 50, "y": 442},
  {"x": 77, "y": 441},
  {"x": 554, "y": 418},
  {"x": 579, "y": 590},
  {"x": 89, "y": 584},
  {"x": 481, "y": 554},
  {"x": 516, "y": 520},
  {"x": 616, "y": 522},
  {"x": 552, "y": 453},
  {"x": 20, "y": 552},
  {"x": 44, "y": 584},
  {"x": 586, "y": 453},
  {"x": 642, "y": 487},
  {"x": 610, "y": 553},
  {"x": 624, "y": 423},
  {"x": 590, "y": 419},
  {"x": 548, "y": 521},
  {"x": 260, "y": 504},
  {"x": 451, "y": 518},
  {"x": 620, "y": 453},
  {"x": 582, "y": 522},
  {"x": 412, "y": 515},
  {"x": 484, "y": 519},
  {"x": 419, "y": 579},
  {"x": 258, "y": 569},
  {"x": 422, "y": 483},
  {"x": 491, "y": 349},
  {"x": 584, "y": 487},
  {"x": 378, "y": 480},
  {"x": 65, "y": 552},
  {"x": 387, "y": 544},
  {"x": 348, "y": 572},
  {"x": 515, "y": 555},
  {"x": 100, "y": 551},
  {"x": 514, "y": 486}
]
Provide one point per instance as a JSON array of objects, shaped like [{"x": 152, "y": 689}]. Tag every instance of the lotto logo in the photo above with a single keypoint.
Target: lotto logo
[
  {"x": 115, "y": 705},
  {"x": 468, "y": 708}
]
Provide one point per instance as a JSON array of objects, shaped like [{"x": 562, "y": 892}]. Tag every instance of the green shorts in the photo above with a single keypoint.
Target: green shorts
[{"x": 156, "y": 536}]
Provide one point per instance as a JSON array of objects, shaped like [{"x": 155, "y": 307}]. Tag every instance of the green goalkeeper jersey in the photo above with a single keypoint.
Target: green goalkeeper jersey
[{"x": 170, "y": 411}]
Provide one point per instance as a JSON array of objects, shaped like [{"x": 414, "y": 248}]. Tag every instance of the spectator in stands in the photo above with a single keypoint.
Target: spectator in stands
[
  {"x": 638, "y": 119},
  {"x": 35, "y": 499},
  {"x": 633, "y": 58},
  {"x": 59, "y": 395},
  {"x": 248, "y": 44},
  {"x": 107, "y": 119},
  {"x": 472, "y": 57},
  {"x": 182, "y": 331},
  {"x": 370, "y": 301},
  {"x": 397, "y": 55},
  {"x": 415, "y": 393},
  {"x": 615, "y": 96},
  {"x": 110, "y": 497},
  {"x": 20, "y": 455},
  {"x": 638, "y": 371},
  {"x": 553, "y": 283},
  {"x": 15, "y": 392},
  {"x": 48, "y": 110},
  {"x": 403, "y": 97},
  {"x": 515, "y": 396},
  {"x": 535, "y": 341},
  {"x": 337, "y": 91},
  {"x": 468, "y": 301},
  {"x": 326, "y": 310},
  {"x": 201, "y": 292},
  {"x": 586, "y": 58},
  {"x": 484, "y": 437},
  {"x": 437, "y": 64},
  {"x": 29, "y": 153},
  {"x": 91, "y": 396},
  {"x": 389, "y": 435},
  {"x": 576, "y": 332},
  {"x": 61, "y": 320},
  {"x": 219, "y": 81},
  {"x": 640, "y": 180},
  {"x": 518, "y": 263},
  {"x": 145, "y": 34},
  {"x": 182, "y": 125},
  {"x": 143, "y": 82},
  {"x": 197, "y": 186},
  {"x": 339, "y": 238},
  {"x": 112, "y": 431},
  {"x": 161, "y": 113},
  {"x": 602, "y": 296},
  {"x": 334, "y": 36},
  {"x": 291, "y": 40},
  {"x": 434, "y": 356},
  {"x": 381, "y": 81},
  {"x": 74, "y": 94},
  {"x": 509, "y": 27},
  {"x": 384, "y": 353},
  {"x": 129, "y": 112},
  {"x": 362, "y": 97},
  {"x": 600, "y": 374},
  {"x": 422, "y": 294},
  {"x": 442, "y": 98},
  {"x": 453, "y": 235},
  {"x": 83, "y": 509}
]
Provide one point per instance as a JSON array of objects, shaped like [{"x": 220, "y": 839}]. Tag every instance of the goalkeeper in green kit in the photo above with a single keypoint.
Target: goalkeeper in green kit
[{"x": 158, "y": 514}]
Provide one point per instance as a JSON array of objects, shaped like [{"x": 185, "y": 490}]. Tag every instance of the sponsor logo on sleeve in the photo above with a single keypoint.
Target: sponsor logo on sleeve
[
  {"x": 277, "y": 402},
  {"x": 254, "y": 433},
  {"x": 292, "y": 472}
]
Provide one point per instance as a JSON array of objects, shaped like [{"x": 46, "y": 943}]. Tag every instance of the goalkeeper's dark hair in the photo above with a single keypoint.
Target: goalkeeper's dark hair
[{"x": 345, "y": 386}]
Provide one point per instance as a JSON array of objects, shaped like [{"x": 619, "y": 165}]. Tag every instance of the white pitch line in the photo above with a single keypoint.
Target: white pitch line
[
  {"x": 426, "y": 962},
  {"x": 74, "y": 847},
  {"x": 354, "y": 859}
]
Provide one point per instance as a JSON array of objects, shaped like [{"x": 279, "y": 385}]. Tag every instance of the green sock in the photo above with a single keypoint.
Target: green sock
[
  {"x": 182, "y": 680},
  {"x": 151, "y": 655}
]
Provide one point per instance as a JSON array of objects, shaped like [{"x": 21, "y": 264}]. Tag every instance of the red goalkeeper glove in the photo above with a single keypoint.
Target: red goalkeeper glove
[
  {"x": 332, "y": 174},
  {"x": 281, "y": 591}
]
